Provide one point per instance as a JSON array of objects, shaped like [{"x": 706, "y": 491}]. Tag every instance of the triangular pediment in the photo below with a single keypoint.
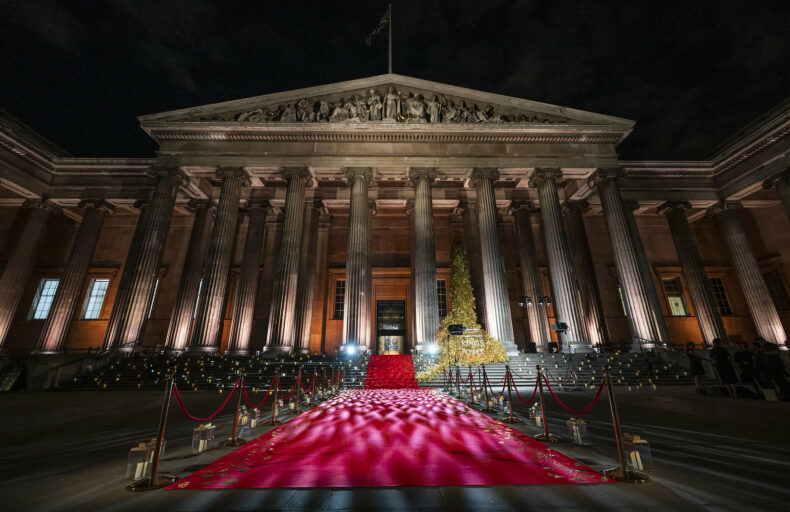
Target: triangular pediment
[{"x": 384, "y": 99}]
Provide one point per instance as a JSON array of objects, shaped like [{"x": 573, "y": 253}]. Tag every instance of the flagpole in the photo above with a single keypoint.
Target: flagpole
[{"x": 389, "y": 61}]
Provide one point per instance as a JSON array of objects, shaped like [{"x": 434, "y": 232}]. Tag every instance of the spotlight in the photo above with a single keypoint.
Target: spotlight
[
  {"x": 351, "y": 350},
  {"x": 432, "y": 349}
]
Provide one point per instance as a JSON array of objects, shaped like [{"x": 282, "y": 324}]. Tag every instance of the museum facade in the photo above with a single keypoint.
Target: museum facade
[{"x": 322, "y": 218}]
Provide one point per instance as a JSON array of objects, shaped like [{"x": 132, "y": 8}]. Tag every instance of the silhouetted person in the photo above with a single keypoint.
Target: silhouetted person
[
  {"x": 697, "y": 370},
  {"x": 722, "y": 361},
  {"x": 744, "y": 360},
  {"x": 775, "y": 370}
]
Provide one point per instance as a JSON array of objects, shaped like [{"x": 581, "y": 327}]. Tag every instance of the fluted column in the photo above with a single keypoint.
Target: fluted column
[
  {"x": 530, "y": 277},
  {"x": 593, "y": 318},
  {"x": 249, "y": 277},
  {"x": 52, "y": 339},
  {"x": 22, "y": 261},
  {"x": 471, "y": 232},
  {"x": 356, "y": 313},
  {"x": 189, "y": 285},
  {"x": 499, "y": 323},
  {"x": 633, "y": 286},
  {"x": 782, "y": 184},
  {"x": 758, "y": 298},
  {"x": 136, "y": 288},
  {"x": 426, "y": 298},
  {"x": 708, "y": 317},
  {"x": 282, "y": 317},
  {"x": 305, "y": 290},
  {"x": 207, "y": 334},
  {"x": 566, "y": 302}
]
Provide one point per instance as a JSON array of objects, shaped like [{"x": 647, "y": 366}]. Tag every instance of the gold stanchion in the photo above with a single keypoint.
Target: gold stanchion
[
  {"x": 487, "y": 408},
  {"x": 545, "y": 436},
  {"x": 312, "y": 386},
  {"x": 273, "y": 422},
  {"x": 157, "y": 481},
  {"x": 323, "y": 384},
  {"x": 471, "y": 388},
  {"x": 234, "y": 440},
  {"x": 458, "y": 382},
  {"x": 298, "y": 390},
  {"x": 622, "y": 473},
  {"x": 510, "y": 418}
]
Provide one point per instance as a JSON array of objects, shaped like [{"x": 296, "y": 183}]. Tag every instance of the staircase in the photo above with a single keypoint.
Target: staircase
[{"x": 390, "y": 372}]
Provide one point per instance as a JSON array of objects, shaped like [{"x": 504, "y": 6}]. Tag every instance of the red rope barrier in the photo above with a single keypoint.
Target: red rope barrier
[
  {"x": 586, "y": 409},
  {"x": 501, "y": 393},
  {"x": 534, "y": 391},
  {"x": 293, "y": 390},
  {"x": 312, "y": 383},
  {"x": 195, "y": 418},
  {"x": 265, "y": 397}
]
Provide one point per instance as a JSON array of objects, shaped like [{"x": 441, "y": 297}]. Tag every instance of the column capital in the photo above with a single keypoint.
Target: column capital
[
  {"x": 604, "y": 174},
  {"x": 44, "y": 204},
  {"x": 723, "y": 206},
  {"x": 783, "y": 177},
  {"x": 428, "y": 173},
  {"x": 141, "y": 204},
  {"x": 98, "y": 204},
  {"x": 158, "y": 171},
  {"x": 316, "y": 204},
  {"x": 670, "y": 206},
  {"x": 482, "y": 173},
  {"x": 303, "y": 173},
  {"x": 630, "y": 204},
  {"x": 352, "y": 173},
  {"x": 372, "y": 206},
  {"x": 526, "y": 206},
  {"x": 196, "y": 204},
  {"x": 252, "y": 204},
  {"x": 581, "y": 205},
  {"x": 233, "y": 172},
  {"x": 409, "y": 206}
]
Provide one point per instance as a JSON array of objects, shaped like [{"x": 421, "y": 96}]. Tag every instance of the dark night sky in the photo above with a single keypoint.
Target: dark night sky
[{"x": 691, "y": 73}]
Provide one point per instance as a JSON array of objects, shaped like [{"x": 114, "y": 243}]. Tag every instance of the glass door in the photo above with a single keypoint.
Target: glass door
[{"x": 391, "y": 326}]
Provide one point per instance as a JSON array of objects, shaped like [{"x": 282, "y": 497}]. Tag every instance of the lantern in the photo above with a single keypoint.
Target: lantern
[
  {"x": 577, "y": 431},
  {"x": 140, "y": 460},
  {"x": 255, "y": 417},
  {"x": 536, "y": 414},
  {"x": 201, "y": 437},
  {"x": 637, "y": 452}
]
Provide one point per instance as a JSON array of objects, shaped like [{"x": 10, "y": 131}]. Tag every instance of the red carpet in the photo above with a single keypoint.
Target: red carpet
[
  {"x": 387, "y": 438},
  {"x": 390, "y": 372}
]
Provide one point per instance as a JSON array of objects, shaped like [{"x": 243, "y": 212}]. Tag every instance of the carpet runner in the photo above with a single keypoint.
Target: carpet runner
[
  {"x": 388, "y": 438},
  {"x": 390, "y": 372}
]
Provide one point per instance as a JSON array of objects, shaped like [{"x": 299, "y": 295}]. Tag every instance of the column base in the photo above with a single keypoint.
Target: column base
[
  {"x": 579, "y": 347},
  {"x": 644, "y": 346},
  {"x": 277, "y": 350},
  {"x": 237, "y": 353},
  {"x": 510, "y": 348},
  {"x": 47, "y": 352},
  {"x": 200, "y": 351},
  {"x": 303, "y": 351},
  {"x": 358, "y": 349}
]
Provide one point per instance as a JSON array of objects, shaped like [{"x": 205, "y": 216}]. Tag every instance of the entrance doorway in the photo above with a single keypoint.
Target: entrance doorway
[{"x": 390, "y": 326}]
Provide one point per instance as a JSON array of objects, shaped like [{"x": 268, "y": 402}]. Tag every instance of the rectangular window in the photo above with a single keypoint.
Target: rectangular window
[
  {"x": 441, "y": 288},
  {"x": 675, "y": 296},
  {"x": 777, "y": 290},
  {"x": 97, "y": 289},
  {"x": 720, "y": 296},
  {"x": 43, "y": 299},
  {"x": 340, "y": 297},
  {"x": 153, "y": 298}
]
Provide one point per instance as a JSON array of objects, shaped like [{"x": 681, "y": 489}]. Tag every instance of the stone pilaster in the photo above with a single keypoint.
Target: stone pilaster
[
  {"x": 281, "y": 337},
  {"x": 626, "y": 258},
  {"x": 305, "y": 290},
  {"x": 184, "y": 309},
  {"x": 426, "y": 299},
  {"x": 52, "y": 339},
  {"x": 708, "y": 317},
  {"x": 22, "y": 261},
  {"x": 207, "y": 333},
  {"x": 249, "y": 277},
  {"x": 499, "y": 323},
  {"x": 130, "y": 310},
  {"x": 566, "y": 305},
  {"x": 592, "y": 314},
  {"x": 530, "y": 277},
  {"x": 758, "y": 298},
  {"x": 356, "y": 316}
]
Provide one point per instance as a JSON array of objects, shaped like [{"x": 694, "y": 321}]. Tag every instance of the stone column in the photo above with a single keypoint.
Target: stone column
[
  {"x": 566, "y": 301},
  {"x": 629, "y": 272},
  {"x": 136, "y": 288},
  {"x": 708, "y": 317},
  {"x": 426, "y": 298},
  {"x": 499, "y": 323},
  {"x": 307, "y": 269},
  {"x": 471, "y": 232},
  {"x": 189, "y": 285},
  {"x": 782, "y": 184},
  {"x": 249, "y": 278},
  {"x": 356, "y": 313},
  {"x": 207, "y": 334},
  {"x": 22, "y": 261},
  {"x": 52, "y": 339},
  {"x": 592, "y": 314},
  {"x": 758, "y": 298},
  {"x": 282, "y": 317},
  {"x": 530, "y": 277}
]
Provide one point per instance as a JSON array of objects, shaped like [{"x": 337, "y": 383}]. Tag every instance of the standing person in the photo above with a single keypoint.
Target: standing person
[
  {"x": 746, "y": 363},
  {"x": 697, "y": 370},
  {"x": 723, "y": 364},
  {"x": 775, "y": 369}
]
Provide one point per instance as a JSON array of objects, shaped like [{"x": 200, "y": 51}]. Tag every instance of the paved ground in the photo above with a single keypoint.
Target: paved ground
[{"x": 67, "y": 451}]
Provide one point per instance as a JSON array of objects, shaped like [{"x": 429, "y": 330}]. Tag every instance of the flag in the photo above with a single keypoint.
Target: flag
[{"x": 382, "y": 23}]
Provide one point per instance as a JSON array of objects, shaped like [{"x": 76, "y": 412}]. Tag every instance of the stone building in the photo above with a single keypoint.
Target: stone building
[{"x": 320, "y": 218}]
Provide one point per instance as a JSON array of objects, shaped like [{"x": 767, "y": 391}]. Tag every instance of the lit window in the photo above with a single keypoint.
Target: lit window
[
  {"x": 777, "y": 290},
  {"x": 43, "y": 299},
  {"x": 153, "y": 297},
  {"x": 97, "y": 289},
  {"x": 441, "y": 288},
  {"x": 720, "y": 296},
  {"x": 197, "y": 300},
  {"x": 675, "y": 296},
  {"x": 340, "y": 297}
]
